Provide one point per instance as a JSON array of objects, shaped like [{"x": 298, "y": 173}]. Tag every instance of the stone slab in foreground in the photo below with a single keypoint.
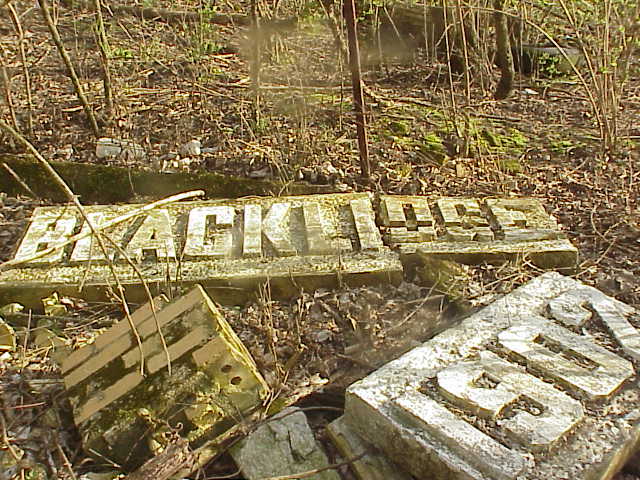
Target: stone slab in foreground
[
  {"x": 470, "y": 230},
  {"x": 284, "y": 445},
  {"x": 294, "y": 242},
  {"x": 541, "y": 384},
  {"x": 126, "y": 402}
]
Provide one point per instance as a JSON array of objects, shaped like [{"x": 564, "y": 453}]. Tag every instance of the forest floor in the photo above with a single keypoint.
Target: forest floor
[{"x": 428, "y": 135}]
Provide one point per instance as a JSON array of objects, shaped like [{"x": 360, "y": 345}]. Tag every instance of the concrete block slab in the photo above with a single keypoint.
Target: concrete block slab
[
  {"x": 471, "y": 230},
  {"x": 305, "y": 241},
  {"x": 129, "y": 397},
  {"x": 541, "y": 384},
  {"x": 374, "y": 465},
  {"x": 284, "y": 445}
]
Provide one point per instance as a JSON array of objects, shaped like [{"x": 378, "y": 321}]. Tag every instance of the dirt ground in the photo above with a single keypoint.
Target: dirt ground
[{"x": 174, "y": 82}]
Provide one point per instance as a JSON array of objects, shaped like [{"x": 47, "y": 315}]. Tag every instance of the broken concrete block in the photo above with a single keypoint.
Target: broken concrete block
[
  {"x": 129, "y": 396},
  {"x": 294, "y": 242},
  {"x": 374, "y": 465},
  {"x": 470, "y": 230},
  {"x": 541, "y": 384},
  {"x": 444, "y": 276},
  {"x": 283, "y": 445}
]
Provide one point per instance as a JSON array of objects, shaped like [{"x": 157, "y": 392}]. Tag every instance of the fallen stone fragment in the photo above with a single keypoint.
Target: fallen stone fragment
[
  {"x": 469, "y": 230},
  {"x": 541, "y": 384},
  {"x": 443, "y": 275},
  {"x": 283, "y": 445},
  {"x": 293, "y": 242},
  {"x": 374, "y": 465},
  {"x": 113, "y": 147},
  {"x": 128, "y": 408},
  {"x": 7, "y": 337}
]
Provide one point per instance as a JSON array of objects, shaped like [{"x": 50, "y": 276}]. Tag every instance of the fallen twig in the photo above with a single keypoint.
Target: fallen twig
[
  {"x": 19, "y": 180},
  {"x": 55, "y": 35}
]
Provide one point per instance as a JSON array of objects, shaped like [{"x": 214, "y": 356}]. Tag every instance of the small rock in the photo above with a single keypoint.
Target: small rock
[
  {"x": 321, "y": 336},
  {"x": 329, "y": 169},
  {"x": 99, "y": 476},
  {"x": 112, "y": 147},
  {"x": 65, "y": 152},
  {"x": 191, "y": 148},
  {"x": 11, "y": 309}
]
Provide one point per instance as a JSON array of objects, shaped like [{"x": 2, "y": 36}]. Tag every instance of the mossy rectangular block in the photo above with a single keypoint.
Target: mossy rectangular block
[
  {"x": 294, "y": 242},
  {"x": 135, "y": 387},
  {"x": 471, "y": 230},
  {"x": 541, "y": 384}
]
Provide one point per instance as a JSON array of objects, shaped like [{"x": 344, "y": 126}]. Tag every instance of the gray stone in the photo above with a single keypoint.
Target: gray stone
[
  {"x": 541, "y": 384},
  {"x": 191, "y": 149},
  {"x": 283, "y": 445}
]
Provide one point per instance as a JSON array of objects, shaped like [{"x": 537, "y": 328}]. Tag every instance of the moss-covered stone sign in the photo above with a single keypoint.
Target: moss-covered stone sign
[
  {"x": 471, "y": 230},
  {"x": 295, "y": 242},
  {"x": 541, "y": 384},
  {"x": 192, "y": 380}
]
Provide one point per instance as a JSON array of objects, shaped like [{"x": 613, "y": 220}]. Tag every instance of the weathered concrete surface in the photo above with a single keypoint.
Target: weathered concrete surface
[
  {"x": 470, "y": 230},
  {"x": 374, "y": 465},
  {"x": 112, "y": 184},
  {"x": 294, "y": 242},
  {"x": 284, "y": 445},
  {"x": 126, "y": 408},
  {"x": 542, "y": 384}
]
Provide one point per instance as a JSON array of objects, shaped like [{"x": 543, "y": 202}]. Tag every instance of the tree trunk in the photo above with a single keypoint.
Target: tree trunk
[{"x": 504, "y": 58}]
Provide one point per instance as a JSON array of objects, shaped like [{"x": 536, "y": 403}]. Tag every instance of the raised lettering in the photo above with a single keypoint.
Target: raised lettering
[
  {"x": 407, "y": 219},
  {"x": 276, "y": 228},
  {"x": 463, "y": 220},
  {"x": 552, "y": 413},
  {"x": 368, "y": 232},
  {"x": 318, "y": 240},
  {"x": 47, "y": 229},
  {"x": 567, "y": 357},
  {"x": 522, "y": 219},
  {"x": 466, "y": 441},
  {"x": 153, "y": 235},
  {"x": 570, "y": 309},
  {"x": 87, "y": 249},
  {"x": 217, "y": 244},
  {"x": 252, "y": 238}
]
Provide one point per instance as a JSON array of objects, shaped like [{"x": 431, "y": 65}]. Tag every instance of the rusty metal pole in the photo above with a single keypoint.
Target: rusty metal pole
[{"x": 356, "y": 81}]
